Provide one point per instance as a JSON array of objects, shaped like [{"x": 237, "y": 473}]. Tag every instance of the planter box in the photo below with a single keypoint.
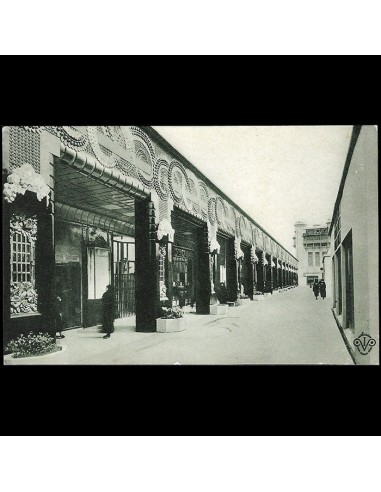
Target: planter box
[
  {"x": 258, "y": 297},
  {"x": 170, "y": 325},
  {"x": 267, "y": 294},
  {"x": 242, "y": 302},
  {"x": 219, "y": 309}
]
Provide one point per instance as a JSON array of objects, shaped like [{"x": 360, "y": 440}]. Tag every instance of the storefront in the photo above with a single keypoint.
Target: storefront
[{"x": 116, "y": 205}]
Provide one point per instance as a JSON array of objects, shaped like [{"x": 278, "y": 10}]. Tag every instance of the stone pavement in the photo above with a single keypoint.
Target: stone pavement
[{"x": 286, "y": 328}]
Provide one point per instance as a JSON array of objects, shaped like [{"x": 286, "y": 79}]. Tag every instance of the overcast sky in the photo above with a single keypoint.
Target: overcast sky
[{"x": 278, "y": 174}]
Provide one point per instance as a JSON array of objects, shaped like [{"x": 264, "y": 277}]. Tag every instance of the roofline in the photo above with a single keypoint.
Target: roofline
[
  {"x": 171, "y": 150},
  {"x": 355, "y": 135}
]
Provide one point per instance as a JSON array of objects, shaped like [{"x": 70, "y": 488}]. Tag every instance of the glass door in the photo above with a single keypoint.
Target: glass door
[{"x": 183, "y": 277}]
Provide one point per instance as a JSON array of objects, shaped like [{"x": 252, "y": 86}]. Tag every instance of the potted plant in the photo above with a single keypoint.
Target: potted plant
[
  {"x": 171, "y": 320},
  {"x": 242, "y": 299},
  {"x": 258, "y": 296}
]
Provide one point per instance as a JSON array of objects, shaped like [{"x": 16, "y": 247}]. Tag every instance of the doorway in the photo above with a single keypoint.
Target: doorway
[
  {"x": 183, "y": 277},
  {"x": 349, "y": 298},
  {"x": 124, "y": 275},
  {"x": 68, "y": 288}
]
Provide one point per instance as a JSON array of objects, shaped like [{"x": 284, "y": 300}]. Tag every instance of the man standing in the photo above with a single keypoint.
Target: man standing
[{"x": 108, "y": 311}]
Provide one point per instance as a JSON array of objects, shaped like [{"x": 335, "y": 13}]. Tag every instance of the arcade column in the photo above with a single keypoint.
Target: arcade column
[
  {"x": 147, "y": 251},
  {"x": 231, "y": 271},
  {"x": 261, "y": 272},
  {"x": 205, "y": 272}
]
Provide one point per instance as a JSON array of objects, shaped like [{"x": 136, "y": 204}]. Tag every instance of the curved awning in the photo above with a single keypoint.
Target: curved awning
[
  {"x": 73, "y": 214},
  {"x": 112, "y": 177}
]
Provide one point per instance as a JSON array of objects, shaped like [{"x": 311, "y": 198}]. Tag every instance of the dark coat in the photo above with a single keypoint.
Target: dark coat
[
  {"x": 108, "y": 311},
  {"x": 322, "y": 289},
  {"x": 316, "y": 289}
]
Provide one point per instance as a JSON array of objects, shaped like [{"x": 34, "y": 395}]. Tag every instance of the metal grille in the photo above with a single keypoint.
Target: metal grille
[
  {"x": 24, "y": 147},
  {"x": 22, "y": 258},
  {"x": 124, "y": 277},
  {"x": 125, "y": 294}
]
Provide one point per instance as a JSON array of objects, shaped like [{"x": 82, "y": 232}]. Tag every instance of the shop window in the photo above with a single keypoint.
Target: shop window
[
  {"x": 23, "y": 238},
  {"x": 310, "y": 259},
  {"x": 99, "y": 272}
]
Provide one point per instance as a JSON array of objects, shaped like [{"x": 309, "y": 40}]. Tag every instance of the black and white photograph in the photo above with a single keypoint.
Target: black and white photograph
[{"x": 190, "y": 245}]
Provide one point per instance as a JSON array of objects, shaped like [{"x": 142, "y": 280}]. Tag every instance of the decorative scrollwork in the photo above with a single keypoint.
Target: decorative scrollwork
[
  {"x": 204, "y": 199},
  {"x": 71, "y": 137},
  {"x": 220, "y": 210},
  {"x": 175, "y": 181},
  {"x": 212, "y": 210},
  {"x": 160, "y": 178},
  {"x": 107, "y": 160},
  {"x": 34, "y": 129}
]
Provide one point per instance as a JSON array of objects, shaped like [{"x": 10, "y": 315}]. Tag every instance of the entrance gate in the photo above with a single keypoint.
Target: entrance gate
[{"x": 124, "y": 277}]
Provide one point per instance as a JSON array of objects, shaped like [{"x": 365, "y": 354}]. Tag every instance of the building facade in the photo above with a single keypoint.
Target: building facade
[
  {"x": 312, "y": 244},
  {"x": 84, "y": 207},
  {"x": 354, "y": 245}
]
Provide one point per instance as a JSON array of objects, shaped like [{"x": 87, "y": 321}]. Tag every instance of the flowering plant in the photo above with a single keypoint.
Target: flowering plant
[
  {"x": 29, "y": 345},
  {"x": 171, "y": 313},
  {"x": 22, "y": 179}
]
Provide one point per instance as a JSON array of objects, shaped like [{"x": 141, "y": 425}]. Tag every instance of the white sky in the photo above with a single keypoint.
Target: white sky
[{"x": 277, "y": 174}]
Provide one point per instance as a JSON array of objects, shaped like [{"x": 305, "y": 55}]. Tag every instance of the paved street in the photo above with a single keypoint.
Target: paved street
[{"x": 286, "y": 328}]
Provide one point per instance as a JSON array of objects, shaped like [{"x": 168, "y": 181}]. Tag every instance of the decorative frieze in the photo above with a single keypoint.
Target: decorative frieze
[{"x": 135, "y": 155}]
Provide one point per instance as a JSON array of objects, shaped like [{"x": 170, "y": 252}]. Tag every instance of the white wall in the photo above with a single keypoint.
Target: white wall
[{"x": 359, "y": 213}]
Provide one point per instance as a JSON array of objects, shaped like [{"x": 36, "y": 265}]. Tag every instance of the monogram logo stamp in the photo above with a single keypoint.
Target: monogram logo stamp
[{"x": 364, "y": 343}]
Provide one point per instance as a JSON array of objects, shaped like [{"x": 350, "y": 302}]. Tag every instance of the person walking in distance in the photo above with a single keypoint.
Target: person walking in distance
[
  {"x": 108, "y": 311},
  {"x": 316, "y": 289},
  {"x": 323, "y": 289}
]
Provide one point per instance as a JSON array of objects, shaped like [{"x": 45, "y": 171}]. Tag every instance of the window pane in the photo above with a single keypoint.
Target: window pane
[
  {"x": 23, "y": 293},
  {"x": 310, "y": 259},
  {"x": 131, "y": 251},
  {"x": 317, "y": 259}
]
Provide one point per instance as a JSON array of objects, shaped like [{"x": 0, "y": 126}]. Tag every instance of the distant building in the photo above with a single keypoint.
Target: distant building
[
  {"x": 312, "y": 244},
  {"x": 354, "y": 231}
]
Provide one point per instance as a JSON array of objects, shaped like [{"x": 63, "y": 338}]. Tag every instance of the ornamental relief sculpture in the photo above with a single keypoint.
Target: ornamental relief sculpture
[{"x": 134, "y": 154}]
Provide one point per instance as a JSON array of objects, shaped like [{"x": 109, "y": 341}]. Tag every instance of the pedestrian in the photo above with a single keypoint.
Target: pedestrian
[
  {"x": 222, "y": 293},
  {"x": 58, "y": 319},
  {"x": 108, "y": 311},
  {"x": 323, "y": 288},
  {"x": 316, "y": 289}
]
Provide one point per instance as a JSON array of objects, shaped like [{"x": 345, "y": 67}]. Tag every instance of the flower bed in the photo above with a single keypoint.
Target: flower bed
[{"x": 32, "y": 345}]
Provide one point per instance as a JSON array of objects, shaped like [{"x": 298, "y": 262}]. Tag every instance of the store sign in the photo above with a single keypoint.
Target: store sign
[
  {"x": 72, "y": 258},
  {"x": 65, "y": 258}
]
